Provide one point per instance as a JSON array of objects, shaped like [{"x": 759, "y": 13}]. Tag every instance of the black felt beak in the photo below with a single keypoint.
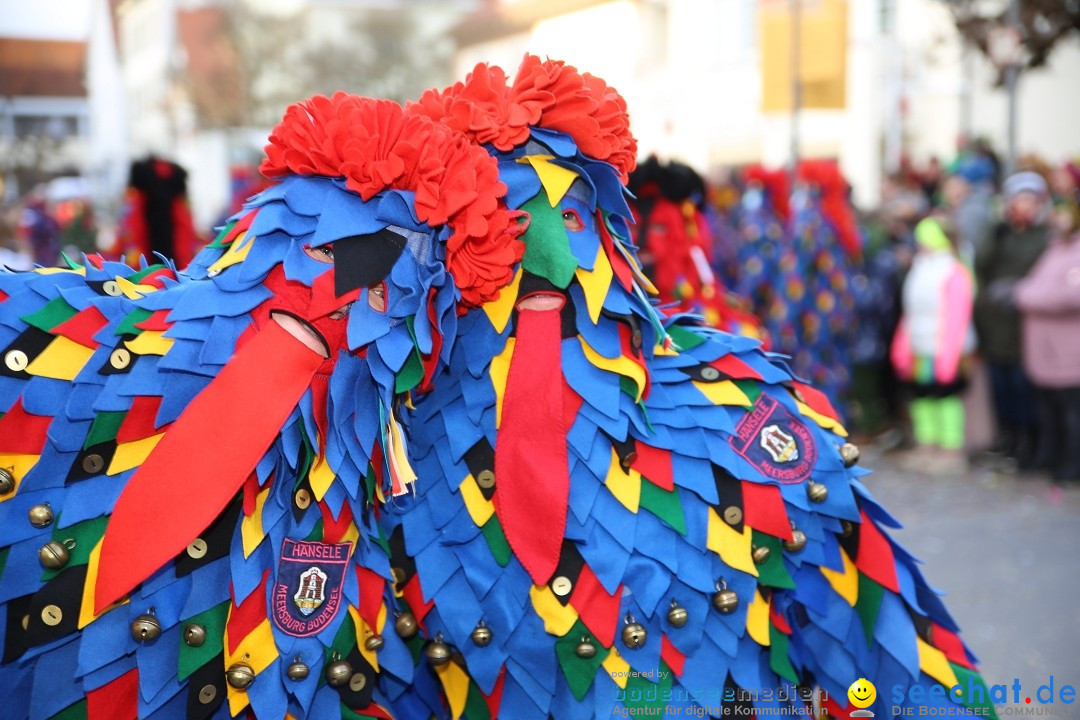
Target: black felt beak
[{"x": 361, "y": 261}]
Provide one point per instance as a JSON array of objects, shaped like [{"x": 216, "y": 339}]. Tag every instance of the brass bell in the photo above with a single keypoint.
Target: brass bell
[
  {"x": 41, "y": 515},
  {"x": 677, "y": 615},
  {"x": 7, "y": 481},
  {"x": 55, "y": 555},
  {"x": 797, "y": 541},
  {"x": 437, "y": 651},
  {"x": 848, "y": 528},
  {"x": 850, "y": 453},
  {"x": 194, "y": 635},
  {"x": 481, "y": 634},
  {"x": 633, "y": 633},
  {"x": 405, "y": 625},
  {"x": 761, "y": 554},
  {"x": 239, "y": 675},
  {"x": 297, "y": 670},
  {"x": 338, "y": 672},
  {"x": 628, "y": 459},
  {"x": 585, "y": 649},
  {"x": 817, "y": 492},
  {"x": 724, "y": 599},
  {"x": 145, "y": 628},
  {"x": 374, "y": 642}
]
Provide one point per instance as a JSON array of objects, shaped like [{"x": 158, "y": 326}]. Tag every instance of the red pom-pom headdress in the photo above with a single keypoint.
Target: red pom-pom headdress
[
  {"x": 775, "y": 183},
  {"x": 830, "y": 182},
  {"x": 375, "y": 146},
  {"x": 545, "y": 93}
]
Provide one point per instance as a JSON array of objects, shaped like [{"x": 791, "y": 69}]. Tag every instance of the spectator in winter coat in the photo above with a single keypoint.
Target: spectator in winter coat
[
  {"x": 1008, "y": 254},
  {"x": 1049, "y": 302}
]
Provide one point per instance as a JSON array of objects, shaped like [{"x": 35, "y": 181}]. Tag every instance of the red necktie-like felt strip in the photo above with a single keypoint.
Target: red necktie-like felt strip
[
  {"x": 531, "y": 464},
  {"x": 204, "y": 458}
]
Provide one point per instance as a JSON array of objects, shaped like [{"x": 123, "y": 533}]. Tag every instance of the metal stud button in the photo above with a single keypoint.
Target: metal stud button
[
  {"x": 710, "y": 373},
  {"x": 111, "y": 287},
  {"x": 485, "y": 479},
  {"x": 636, "y": 339},
  {"x": 207, "y": 694},
  {"x": 357, "y": 682},
  {"x": 93, "y": 463},
  {"x": 16, "y": 360},
  {"x": 732, "y": 515},
  {"x": 197, "y": 549},
  {"x": 52, "y": 615},
  {"x": 303, "y": 498},
  {"x": 561, "y": 586},
  {"x": 120, "y": 358}
]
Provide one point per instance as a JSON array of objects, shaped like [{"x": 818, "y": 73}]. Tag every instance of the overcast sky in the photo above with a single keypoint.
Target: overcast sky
[{"x": 51, "y": 19}]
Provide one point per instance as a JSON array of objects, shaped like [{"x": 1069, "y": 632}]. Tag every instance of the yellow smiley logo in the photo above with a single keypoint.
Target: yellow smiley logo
[{"x": 862, "y": 693}]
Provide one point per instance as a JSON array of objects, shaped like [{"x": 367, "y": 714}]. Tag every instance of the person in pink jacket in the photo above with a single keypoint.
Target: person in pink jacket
[
  {"x": 932, "y": 338},
  {"x": 1048, "y": 298}
]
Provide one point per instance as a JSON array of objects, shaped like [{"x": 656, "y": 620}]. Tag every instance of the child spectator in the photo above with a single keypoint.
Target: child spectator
[
  {"x": 930, "y": 342},
  {"x": 1049, "y": 302}
]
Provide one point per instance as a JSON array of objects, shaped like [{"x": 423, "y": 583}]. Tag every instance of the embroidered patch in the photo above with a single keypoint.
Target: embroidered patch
[
  {"x": 774, "y": 442},
  {"x": 307, "y": 592}
]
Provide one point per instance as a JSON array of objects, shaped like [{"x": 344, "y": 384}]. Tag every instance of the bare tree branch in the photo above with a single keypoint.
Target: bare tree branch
[{"x": 1043, "y": 24}]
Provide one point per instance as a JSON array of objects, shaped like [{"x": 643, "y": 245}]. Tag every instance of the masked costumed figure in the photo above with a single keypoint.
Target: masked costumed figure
[
  {"x": 190, "y": 465},
  {"x": 155, "y": 217},
  {"x": 610, "y": 511},
  {"x": 825, "y": 247},
  {"x": 676, "y": 246},
  {"x": 621, "y": 513},
  {"x": 764, "y": 255}
]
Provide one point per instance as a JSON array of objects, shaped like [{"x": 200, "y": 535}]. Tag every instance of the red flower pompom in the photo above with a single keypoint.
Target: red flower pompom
[
  {"x": 545, "y": 93},
  {"x": 375, "y": 146}
]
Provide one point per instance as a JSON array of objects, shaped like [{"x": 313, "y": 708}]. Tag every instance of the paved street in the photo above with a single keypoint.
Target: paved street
[{"x": 1006, "y": 550}]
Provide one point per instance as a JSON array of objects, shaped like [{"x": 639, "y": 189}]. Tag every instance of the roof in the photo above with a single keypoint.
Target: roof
[
  {"x": 54, "y": 68},
  {"x": 500, "y": 18},
  {"x": 213, "y": 76}
]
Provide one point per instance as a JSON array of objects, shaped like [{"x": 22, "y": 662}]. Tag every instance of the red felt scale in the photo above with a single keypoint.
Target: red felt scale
[{"x": 233, "y": 421}]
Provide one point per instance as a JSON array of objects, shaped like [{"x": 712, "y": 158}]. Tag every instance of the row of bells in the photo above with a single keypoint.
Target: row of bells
[
  {"x": 146, "y": 628},
  {"x": 818, "y": 492}
]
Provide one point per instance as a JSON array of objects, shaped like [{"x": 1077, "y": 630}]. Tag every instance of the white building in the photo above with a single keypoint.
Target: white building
[
  {"x": 43, "y": 96},
  {"x": 691, "y": 72}
]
